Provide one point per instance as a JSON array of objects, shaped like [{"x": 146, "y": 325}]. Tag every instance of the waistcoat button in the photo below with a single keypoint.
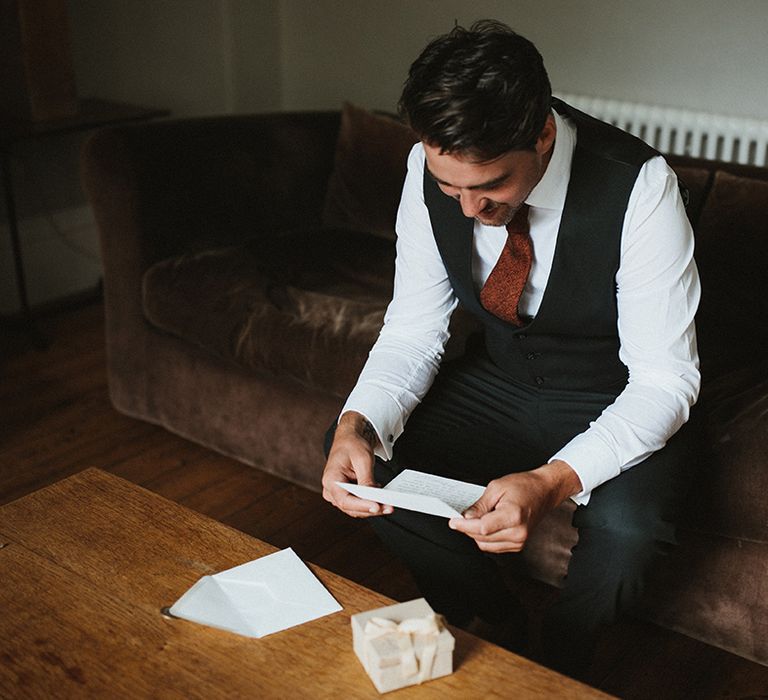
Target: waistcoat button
[{"x": 540, "y": 380}]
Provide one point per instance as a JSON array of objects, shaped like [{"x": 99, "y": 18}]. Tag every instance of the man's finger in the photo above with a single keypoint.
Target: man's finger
[
  {"x": 493, "y": 527},
  {"x": 359, "y": 507},
  {"x": 480, "y": 507},
  {"x": 481, "y": 526},
  {"x": 512, "y": 545},
  {"x": 516, "y": 534},
  {"x": 504, "y": 540},
  {"x": 467, "y": 526}
]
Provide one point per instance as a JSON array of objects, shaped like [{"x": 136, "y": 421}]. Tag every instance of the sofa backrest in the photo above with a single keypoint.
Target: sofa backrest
[
  {"x": 729, "y": 214},
  {"x": 194, "y": 184}
]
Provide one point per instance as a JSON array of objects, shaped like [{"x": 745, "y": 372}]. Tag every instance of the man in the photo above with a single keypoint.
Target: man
[{"x": 579, "y": 384}]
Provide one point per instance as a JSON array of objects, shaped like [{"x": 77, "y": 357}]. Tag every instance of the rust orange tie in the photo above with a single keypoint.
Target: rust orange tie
[{"x": 501, "y": 292}]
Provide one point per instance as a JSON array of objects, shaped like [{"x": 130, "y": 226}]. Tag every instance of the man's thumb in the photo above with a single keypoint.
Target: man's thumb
[
  {"x": 363, "y": 467},
  {"x": 479, "y": 508}
]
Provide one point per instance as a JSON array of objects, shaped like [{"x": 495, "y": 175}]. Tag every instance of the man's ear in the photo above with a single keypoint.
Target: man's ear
[{"x": 547, "y": 136}]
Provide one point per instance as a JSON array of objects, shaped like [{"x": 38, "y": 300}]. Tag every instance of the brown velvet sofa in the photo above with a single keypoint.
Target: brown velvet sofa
[{"x": 248, "y": 261}]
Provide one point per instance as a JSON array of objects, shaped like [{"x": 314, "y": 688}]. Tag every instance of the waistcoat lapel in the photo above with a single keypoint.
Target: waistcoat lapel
[{"x": 454, "y": 235}]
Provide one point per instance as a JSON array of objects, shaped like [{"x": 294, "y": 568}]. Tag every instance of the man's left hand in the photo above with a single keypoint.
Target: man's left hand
[{"x": 504, "y": 516}]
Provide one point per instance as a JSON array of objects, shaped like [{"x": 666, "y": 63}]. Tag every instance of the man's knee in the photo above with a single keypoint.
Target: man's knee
[
  {"x": 643, "y": 504},
  {"x": 619, "y": 563},
  {"x": 638, "y": 544},
  {"x": 630, "y": 537}
]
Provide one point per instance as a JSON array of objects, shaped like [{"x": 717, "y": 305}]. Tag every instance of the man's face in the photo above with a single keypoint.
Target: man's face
[{"x": 492, "y": 191}]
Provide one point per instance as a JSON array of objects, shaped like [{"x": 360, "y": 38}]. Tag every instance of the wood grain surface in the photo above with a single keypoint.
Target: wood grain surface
[{"x": 89, "y": 562}]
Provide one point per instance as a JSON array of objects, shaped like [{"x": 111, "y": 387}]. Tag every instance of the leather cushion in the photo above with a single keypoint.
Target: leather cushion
[
  {"x": 368, "y": 174},
  {"x": 728, "y": 497},
  {"x": 728, "y": 493},
  {"x": 732, "y": 257}
]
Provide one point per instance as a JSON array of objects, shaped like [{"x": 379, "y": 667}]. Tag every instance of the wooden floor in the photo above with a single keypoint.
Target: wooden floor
[{"x": 56, "y": 419}]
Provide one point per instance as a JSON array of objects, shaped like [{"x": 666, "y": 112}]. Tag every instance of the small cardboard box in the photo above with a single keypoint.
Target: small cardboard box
[{"x": 386, "y": 646}]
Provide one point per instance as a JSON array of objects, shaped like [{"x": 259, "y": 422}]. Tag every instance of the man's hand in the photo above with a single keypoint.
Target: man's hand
[
  {"x": 504, "y": 516},
  {"x": 351, "y": 461}
]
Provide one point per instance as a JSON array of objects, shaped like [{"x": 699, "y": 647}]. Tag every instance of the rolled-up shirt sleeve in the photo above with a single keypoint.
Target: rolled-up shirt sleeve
[
  {"x": 406, "y": 356},
  {"x": 657, "y": 294}
]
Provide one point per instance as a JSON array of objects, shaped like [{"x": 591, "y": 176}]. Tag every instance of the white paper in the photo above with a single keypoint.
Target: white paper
[
  {"x": 425, "y": 493},
  {"x": 258, "y": 598}
]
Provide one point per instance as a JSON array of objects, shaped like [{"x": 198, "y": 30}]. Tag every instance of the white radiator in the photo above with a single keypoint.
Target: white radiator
[{"x": 683, "y": 132}]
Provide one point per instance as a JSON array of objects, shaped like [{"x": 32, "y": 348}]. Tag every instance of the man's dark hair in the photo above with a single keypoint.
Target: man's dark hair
[{"x": 481, "y": 91}]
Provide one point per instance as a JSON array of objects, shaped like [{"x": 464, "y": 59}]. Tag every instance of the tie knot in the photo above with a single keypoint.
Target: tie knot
[{"x": 519, "y": 221}]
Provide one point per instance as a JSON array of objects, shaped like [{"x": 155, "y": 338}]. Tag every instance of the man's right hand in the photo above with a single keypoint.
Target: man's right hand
[{"x": 351, "y": 461}]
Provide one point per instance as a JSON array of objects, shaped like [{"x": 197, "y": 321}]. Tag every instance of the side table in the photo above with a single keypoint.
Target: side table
[{"x": 93, "y": 113}]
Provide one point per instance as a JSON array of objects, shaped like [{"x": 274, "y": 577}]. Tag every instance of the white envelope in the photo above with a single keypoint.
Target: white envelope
[{"x": 258, "y": 598}]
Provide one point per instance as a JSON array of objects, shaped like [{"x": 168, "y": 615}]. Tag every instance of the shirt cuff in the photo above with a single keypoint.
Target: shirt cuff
[
  {"x": 593, "y": 463},
  {"x": 385, "y": 417}
]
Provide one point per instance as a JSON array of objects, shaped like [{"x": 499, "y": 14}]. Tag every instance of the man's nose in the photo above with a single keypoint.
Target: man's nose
[{"x": 471, "y": 202}]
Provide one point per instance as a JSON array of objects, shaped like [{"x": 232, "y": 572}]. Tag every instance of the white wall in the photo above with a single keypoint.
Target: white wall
[
  {"x": 192, "y": 57},
  {"x": 701, "y": 54}
]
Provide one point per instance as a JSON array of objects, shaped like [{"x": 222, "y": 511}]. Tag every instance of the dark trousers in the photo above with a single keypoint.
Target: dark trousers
[{"x": 476, "y": 424}]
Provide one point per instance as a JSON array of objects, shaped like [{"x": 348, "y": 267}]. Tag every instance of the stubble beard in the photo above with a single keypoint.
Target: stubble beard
[{"x": 497, "y": 215}]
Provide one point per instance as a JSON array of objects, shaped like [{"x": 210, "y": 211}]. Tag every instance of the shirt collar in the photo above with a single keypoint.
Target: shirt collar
[{"x": 550, "y": 191}]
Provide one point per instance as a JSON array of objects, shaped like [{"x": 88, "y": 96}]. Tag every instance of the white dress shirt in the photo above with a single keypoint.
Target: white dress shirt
[{"x": 657, "y": 291}]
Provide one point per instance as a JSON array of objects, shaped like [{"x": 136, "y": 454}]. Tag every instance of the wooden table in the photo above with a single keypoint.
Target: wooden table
[{"x": 86, "y": 566}]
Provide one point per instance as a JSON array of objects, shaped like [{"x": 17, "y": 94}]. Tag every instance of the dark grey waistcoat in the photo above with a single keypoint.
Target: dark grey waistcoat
[{"x": 573, "y": 342}]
